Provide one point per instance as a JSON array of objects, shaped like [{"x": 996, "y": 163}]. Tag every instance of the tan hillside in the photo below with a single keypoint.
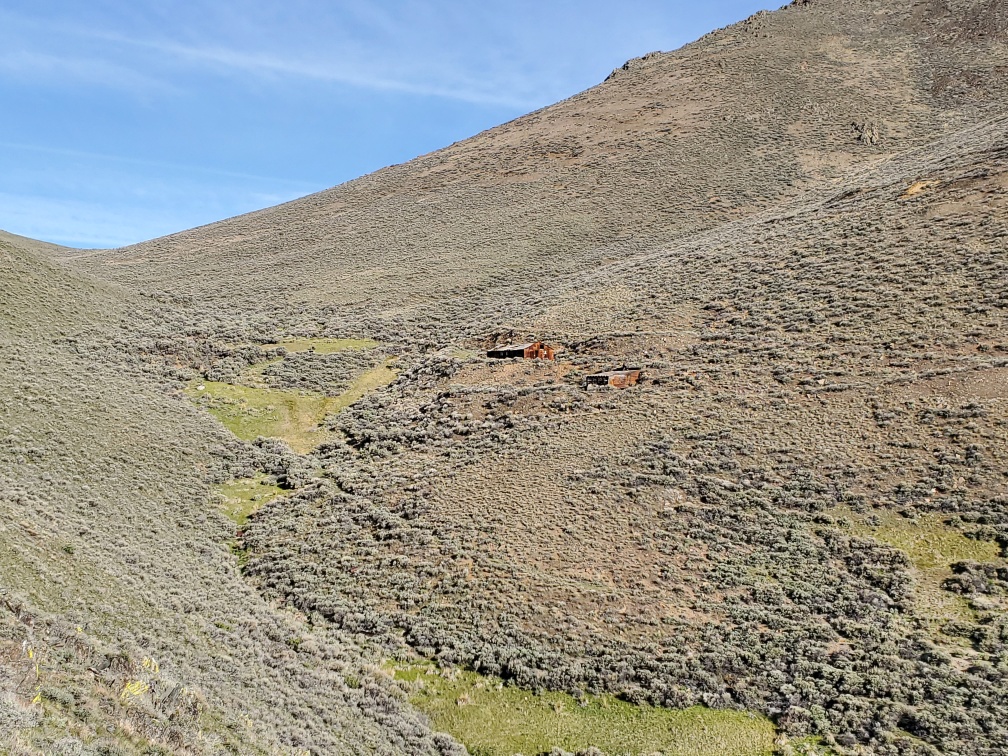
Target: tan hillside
[
  {"x": 744, "y": 119},
  {"x": 816, "y": 458}
]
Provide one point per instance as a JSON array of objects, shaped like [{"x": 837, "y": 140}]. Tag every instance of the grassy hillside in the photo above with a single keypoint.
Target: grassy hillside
[
  {"x": 125, "y": 626},
  {"x": 797, "y": 226}
]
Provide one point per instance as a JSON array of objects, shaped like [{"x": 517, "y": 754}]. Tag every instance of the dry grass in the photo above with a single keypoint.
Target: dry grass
[
  {"x": 919, "y": 186},
  {"x": 322, "y": 345}
]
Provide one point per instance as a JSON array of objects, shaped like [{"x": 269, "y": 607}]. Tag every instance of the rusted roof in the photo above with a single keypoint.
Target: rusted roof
[{"x": 510, "y": 347}]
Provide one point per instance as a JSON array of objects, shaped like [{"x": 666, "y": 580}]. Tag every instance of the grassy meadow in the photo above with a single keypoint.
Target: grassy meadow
[{"x": 494, "y": 719}]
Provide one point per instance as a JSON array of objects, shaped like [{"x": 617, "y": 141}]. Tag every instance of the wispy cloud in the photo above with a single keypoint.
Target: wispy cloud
[
  {"x": 392, "y": 57},
  {"x": 130, "y": 120},
  {"x": 77, "y": 69},
  {"x": 518, "y": 54},
  {"x": 99, "y": 157},
  {"x": 75, "y": 223},
  {"x": 85, "y": 199},
  {"x": 332, "y": 71},
  {"x": 103, "y": 220}
]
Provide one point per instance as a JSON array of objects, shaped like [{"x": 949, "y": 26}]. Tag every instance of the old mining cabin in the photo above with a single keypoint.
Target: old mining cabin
[
  {"x": 534, "y": 350},
  {"x": 619, "y": 378}
]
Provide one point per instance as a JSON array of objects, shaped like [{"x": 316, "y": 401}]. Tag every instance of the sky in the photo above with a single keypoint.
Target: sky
[{"x": 124, "y": 120}]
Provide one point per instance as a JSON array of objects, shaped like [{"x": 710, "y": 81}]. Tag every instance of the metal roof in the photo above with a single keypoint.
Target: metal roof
[{"x": 513, "y": 346}]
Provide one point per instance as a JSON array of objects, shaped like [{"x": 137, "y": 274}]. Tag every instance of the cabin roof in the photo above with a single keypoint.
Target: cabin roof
[{"x": 510, "y": 347}]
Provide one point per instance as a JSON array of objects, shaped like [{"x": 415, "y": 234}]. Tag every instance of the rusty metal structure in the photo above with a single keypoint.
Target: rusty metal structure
[
  {"x": 620, "y": 378},
  {"x": 534, "y": 350}
]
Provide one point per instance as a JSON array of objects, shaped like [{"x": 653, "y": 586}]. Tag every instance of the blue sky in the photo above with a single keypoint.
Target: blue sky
[{"x": 123, "y": 121}]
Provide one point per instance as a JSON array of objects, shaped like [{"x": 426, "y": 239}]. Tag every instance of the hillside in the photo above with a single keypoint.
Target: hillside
[
  {"x": 116, "y": 577},
  {"x": 749, "y": 117},
  {"x": 797, "y": 226},
  {"x": 801, "y": 512}
]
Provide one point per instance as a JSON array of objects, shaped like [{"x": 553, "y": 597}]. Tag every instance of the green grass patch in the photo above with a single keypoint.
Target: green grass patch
[
  {"x": 249, "y": 412},
  {"x": 494, "y": 719},
  {"x": 240, "y": 498},
  {"x": 322, "y": 346},
  {"x": 294, "y": 416},
  {"x": 371, "y": 380},
  {"x": 932, "y": 547},
  {"x": 929, "y": 542}
]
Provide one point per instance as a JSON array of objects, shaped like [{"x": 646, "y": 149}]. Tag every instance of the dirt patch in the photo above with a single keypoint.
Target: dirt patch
[
  {"x": 518, "y": 373},
  {"x": 989, "y": 385}
]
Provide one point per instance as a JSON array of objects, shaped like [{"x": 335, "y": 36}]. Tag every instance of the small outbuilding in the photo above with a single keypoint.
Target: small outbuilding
[
  {"x": 534, "y": 350},
  {"x": 621, "y": 378}
]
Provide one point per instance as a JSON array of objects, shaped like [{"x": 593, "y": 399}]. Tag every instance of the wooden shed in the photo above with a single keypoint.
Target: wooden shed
[
  {"x": 620, "y": 378},
  {"x": 534, "y": 350}
]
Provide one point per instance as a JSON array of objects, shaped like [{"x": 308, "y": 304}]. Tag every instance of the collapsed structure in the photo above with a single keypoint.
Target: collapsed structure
[{"x": 620, "y": 378}]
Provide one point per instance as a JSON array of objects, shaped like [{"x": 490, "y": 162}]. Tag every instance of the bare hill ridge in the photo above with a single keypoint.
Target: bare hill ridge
[{"x": 748, "y": 117}]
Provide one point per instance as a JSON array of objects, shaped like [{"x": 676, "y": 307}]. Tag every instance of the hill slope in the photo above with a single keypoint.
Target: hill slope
[
  {"x": 746, "y": 118},
  {"x": 788, "y": 516}
]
